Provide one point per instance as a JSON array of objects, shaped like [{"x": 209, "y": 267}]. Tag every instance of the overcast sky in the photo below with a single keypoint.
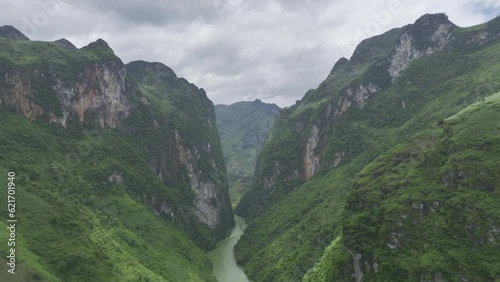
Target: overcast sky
[{"x": 235, "y": 49}]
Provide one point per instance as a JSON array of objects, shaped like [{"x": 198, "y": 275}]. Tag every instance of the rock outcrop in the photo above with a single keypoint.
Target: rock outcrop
[
  {"x": 427, "y": 35},
  {"x": 97, "y": 95},
  {"x": 191, "y": 148}
]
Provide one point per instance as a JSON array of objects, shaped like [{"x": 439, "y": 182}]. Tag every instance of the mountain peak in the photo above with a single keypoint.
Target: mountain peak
[
  {"x": 430, "y": 33},
  {"x": 155, "y": 69},
  {"x": 66, "y": 43},
  {"x": 8, "y": 31},
  {"x": 271, "y": 109},
  {"x": 433, "y": 19},
  {"x": 99, "y": 43},
  {"x": 431, "y": 27},
  {"x": 101, "y": 49},
  {"x": 257, "y": 102}
]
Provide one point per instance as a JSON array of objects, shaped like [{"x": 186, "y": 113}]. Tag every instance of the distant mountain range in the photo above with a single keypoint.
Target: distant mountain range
[{"x": 243, "y": 129}]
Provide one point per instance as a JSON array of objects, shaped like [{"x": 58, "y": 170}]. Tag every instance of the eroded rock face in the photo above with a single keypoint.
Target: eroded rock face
[
  {"x": 311, "y": 159},
  {"x": 17, "y": 92},
  {"x": 101, "y": 91},
  {"x": 207, "y": 208},
  {"x": 429, "y": 34},
  {"x": 99, "y": 94},
  {"x": 355, "y": 93},
  {"x": 186, "y": 152}
]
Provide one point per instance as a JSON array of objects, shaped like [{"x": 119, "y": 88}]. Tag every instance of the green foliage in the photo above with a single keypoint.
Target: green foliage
[
  {"x": 285, "y": 241},
  {"x": 324, "y": 270},
  {"x": 78, "y": 223},
  {"x": 428, "y": 207},
  {"x": 52, "y": 59}
]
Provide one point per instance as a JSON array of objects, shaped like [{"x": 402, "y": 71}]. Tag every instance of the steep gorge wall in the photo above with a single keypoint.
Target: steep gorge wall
[
  {"x": 92, "y": 88},
  {"x": 99, "y": 94},
  {"x": 357, "y": 114},
  {"x": 302, "y": 142}
]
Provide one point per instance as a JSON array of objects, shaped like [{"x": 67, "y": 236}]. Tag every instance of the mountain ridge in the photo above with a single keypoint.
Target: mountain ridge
[
  {"x": 125, "y": 161},
  {"x": 364, "y": 108}
]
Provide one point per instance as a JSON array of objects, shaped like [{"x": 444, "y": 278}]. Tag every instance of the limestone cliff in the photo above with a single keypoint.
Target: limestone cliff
[
  {"x": 427, "y": 35},
  {"x": 191, "y": 145},
  {"x": 375, "y": 65},
  {"x": 90, "y": 87},
  {"x": 97, "y": 93},
  {"x": 394, "y": 86}
]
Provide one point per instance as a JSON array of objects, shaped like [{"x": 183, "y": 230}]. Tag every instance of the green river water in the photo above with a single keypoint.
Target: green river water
[{"x": 225, "y": 268}]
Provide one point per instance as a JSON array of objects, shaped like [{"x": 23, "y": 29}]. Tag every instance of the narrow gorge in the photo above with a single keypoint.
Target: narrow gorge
[{"x": 387, "y": 171}]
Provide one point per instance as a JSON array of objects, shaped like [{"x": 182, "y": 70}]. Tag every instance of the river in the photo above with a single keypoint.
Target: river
[{"x": 225, "y": 268}]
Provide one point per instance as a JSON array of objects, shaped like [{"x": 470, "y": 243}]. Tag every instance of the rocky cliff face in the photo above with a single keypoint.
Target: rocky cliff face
[
  {"x": 393, "y": 86},
  {"x": 98, "y": 94},
  {"x": 91, "y": 87},
  {"x": 191, "y": 147},
  {"x": 429, "y": 34},
  {"x": 384, "y": 59}
]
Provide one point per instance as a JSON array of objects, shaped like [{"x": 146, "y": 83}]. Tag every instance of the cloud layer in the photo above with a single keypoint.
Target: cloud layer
[{"x": 236, "y": 49}]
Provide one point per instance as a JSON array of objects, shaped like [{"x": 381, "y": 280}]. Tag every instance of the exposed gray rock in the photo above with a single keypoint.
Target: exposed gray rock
[
  {"x": 435, "y": 30},
  {"x": 100, "y": 90},
  {"x": 311, "y": 159},
  {"x": 207, "y": 208}
]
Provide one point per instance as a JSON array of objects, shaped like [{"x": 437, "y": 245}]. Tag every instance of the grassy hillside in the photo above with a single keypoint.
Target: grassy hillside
[
  {"x": 296, "y": 219},
  {"x": 243, "y": 129}
]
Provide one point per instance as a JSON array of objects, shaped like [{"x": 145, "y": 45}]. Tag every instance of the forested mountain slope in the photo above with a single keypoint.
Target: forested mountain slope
[
  {"x": 119, "y": 170},
  {"x": 394, "y": 86}
]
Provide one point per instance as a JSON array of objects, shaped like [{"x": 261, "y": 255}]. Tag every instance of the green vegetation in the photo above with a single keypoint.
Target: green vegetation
[
  {"x": 429, "y": 207},
  {"x": 243, "y": 129},
  {"x": 75, "y": 222},
  {"x": 293, "y": 223}
]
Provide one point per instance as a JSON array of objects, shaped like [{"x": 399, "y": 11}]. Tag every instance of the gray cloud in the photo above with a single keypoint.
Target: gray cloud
[
  {"x": 489, "y": 8},
  {"x": 236, "y": 49},
  {"x": 156, "y": 12}
]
